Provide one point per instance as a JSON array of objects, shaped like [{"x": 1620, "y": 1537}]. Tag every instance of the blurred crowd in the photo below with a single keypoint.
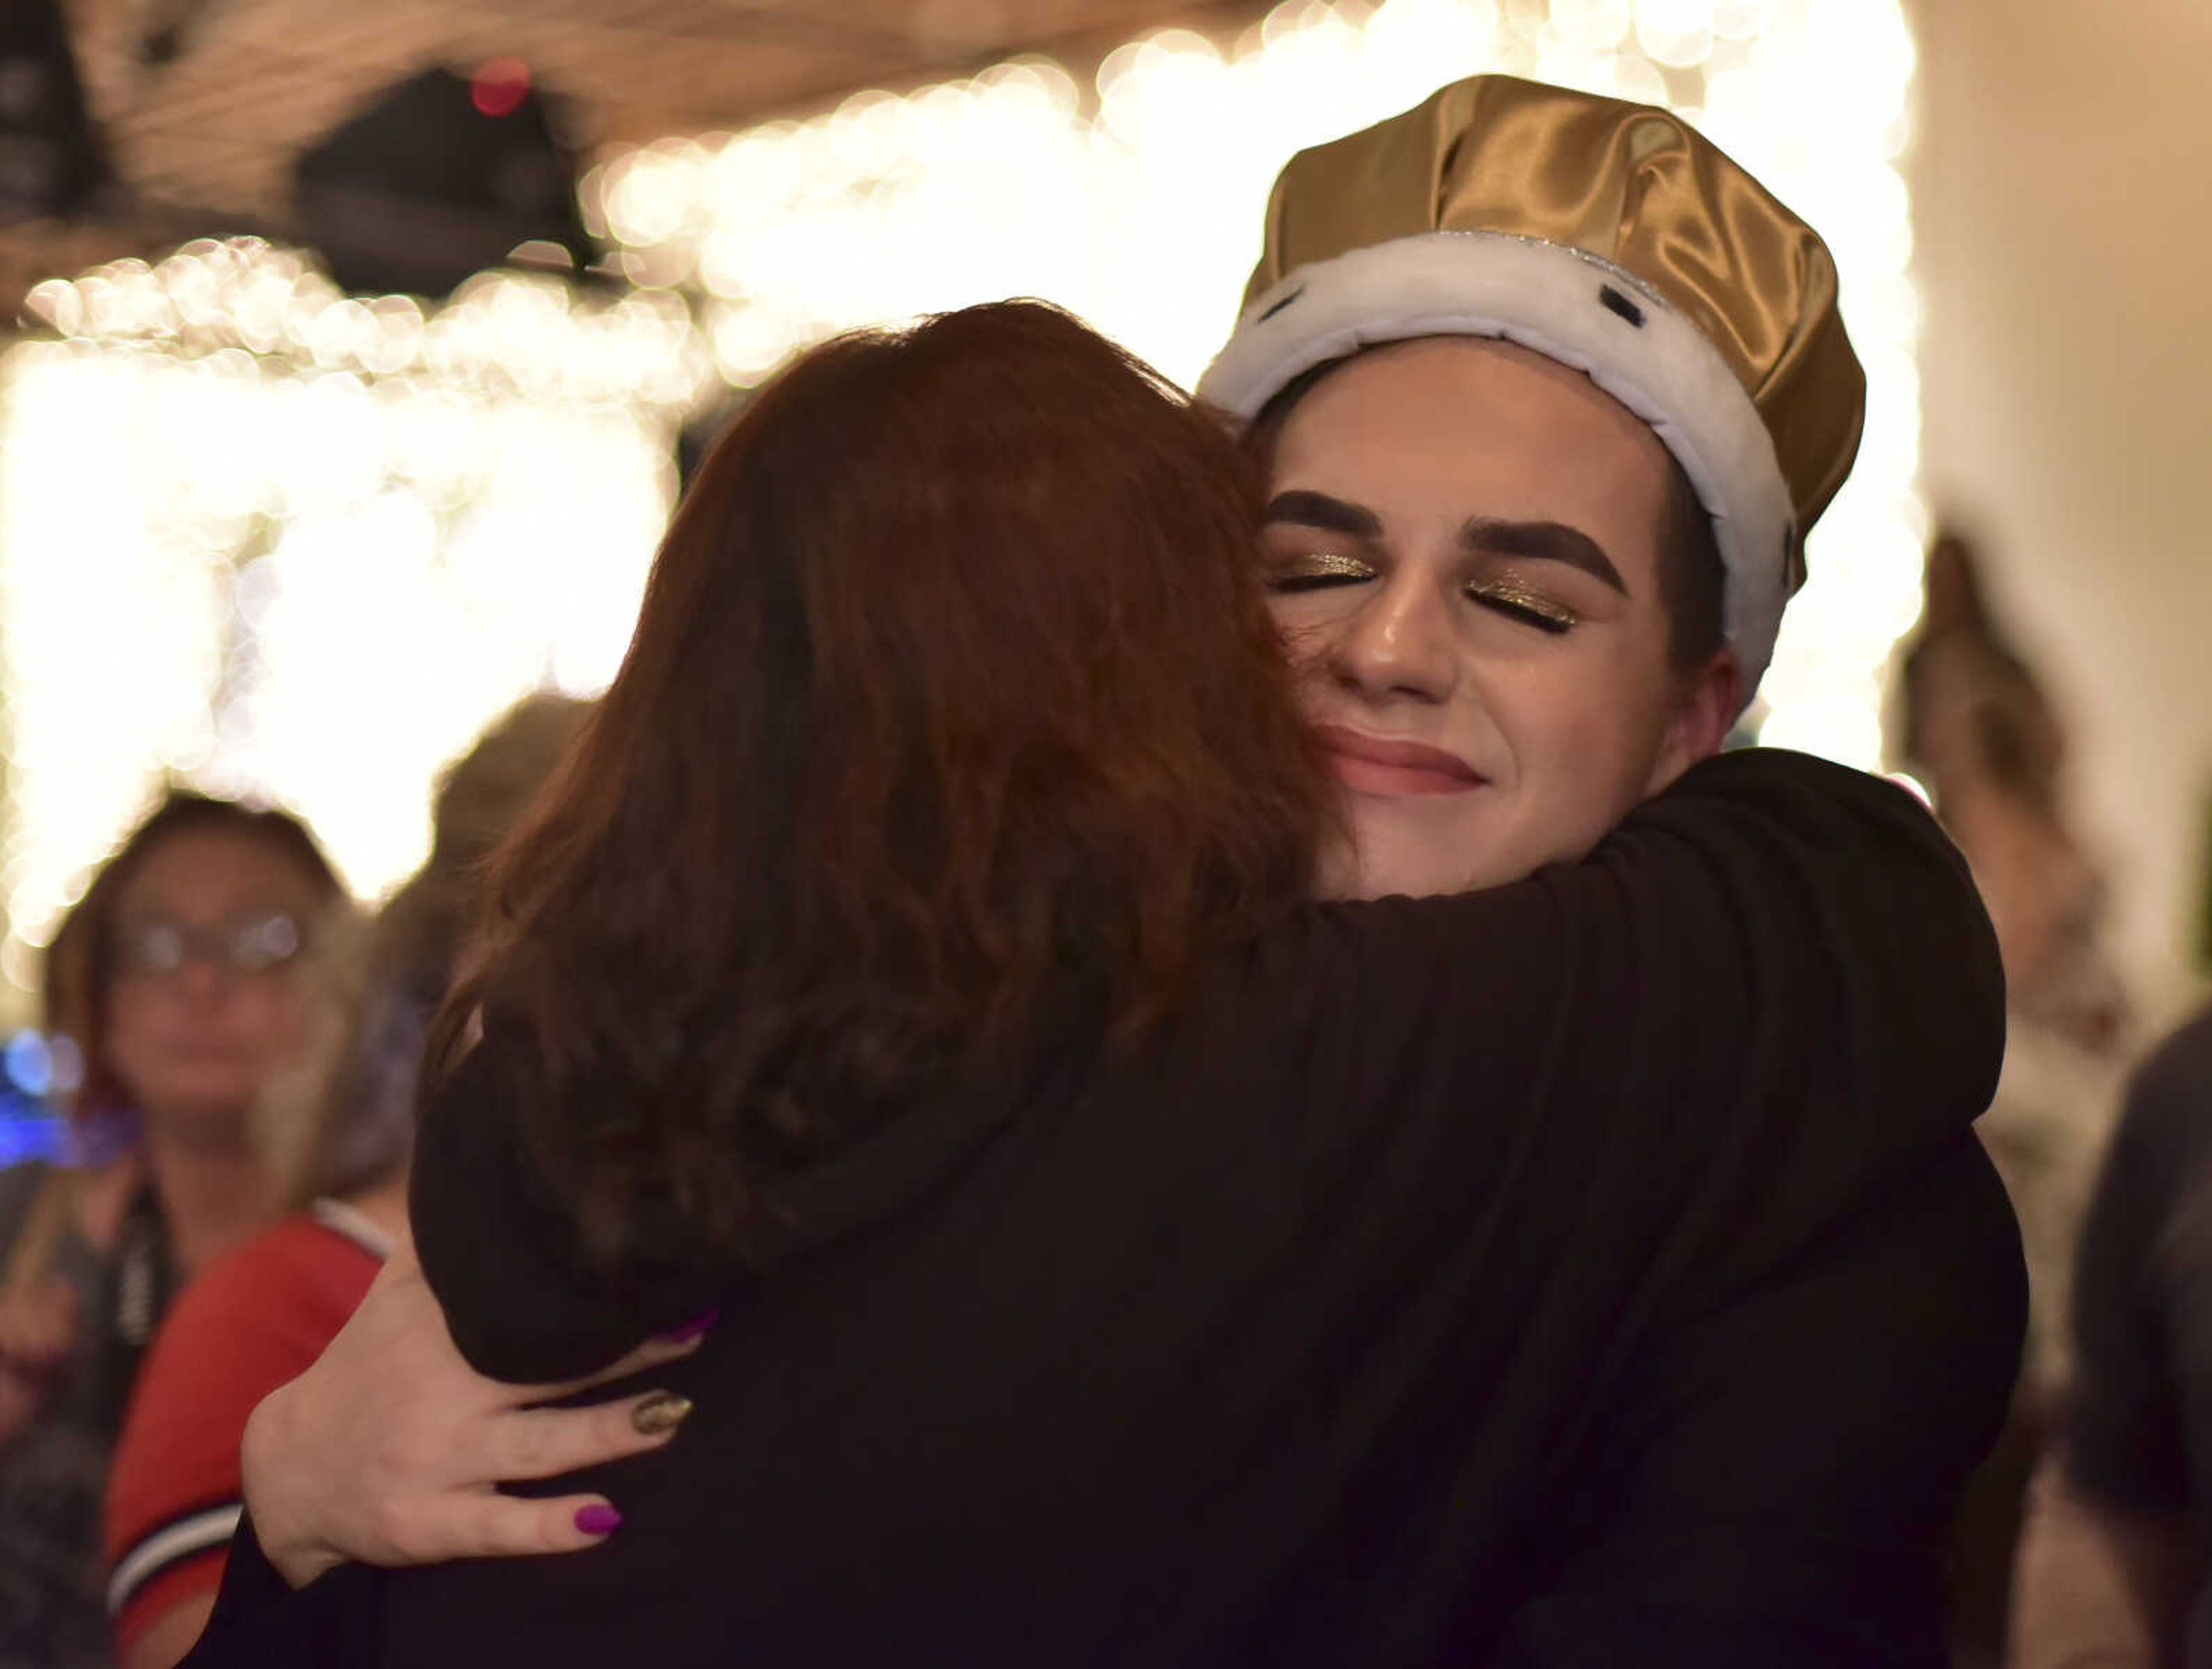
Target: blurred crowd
[{"x": 236, "y": 1174}]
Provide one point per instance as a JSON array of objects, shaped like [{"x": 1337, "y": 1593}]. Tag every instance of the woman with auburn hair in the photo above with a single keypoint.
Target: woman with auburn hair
[{"x": 1115, "y": 1258}]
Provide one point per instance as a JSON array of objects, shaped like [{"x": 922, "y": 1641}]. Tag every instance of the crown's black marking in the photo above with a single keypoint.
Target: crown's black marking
[
  {"x": 1621, "y": 305},
  {"x": 1280, "y": 304}
]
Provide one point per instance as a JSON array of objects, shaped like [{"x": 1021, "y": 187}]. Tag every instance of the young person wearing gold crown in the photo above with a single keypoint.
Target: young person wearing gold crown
[{"x": 1547, "y": 392}]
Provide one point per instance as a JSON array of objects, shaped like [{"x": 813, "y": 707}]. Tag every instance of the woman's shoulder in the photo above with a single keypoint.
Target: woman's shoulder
[
  {"x": 257, "y": 1315},
  {"x": 65, "y": 1217},
  {"x": 1755, "y": 869},
  {"x": 301, "y": 1263},
  {"x": 252, "y": 1319}
]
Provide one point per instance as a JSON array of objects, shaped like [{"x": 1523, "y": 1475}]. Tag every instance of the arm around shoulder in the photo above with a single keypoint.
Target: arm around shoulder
[
  {"x": 1769, "y": 988},
  {"x": 1774, "y": 1478},
  {"x": 526, "y": 1301}
]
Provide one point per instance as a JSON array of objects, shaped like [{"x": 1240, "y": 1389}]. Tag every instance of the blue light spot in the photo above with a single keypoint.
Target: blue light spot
[{"x": 29, "y": 1063}]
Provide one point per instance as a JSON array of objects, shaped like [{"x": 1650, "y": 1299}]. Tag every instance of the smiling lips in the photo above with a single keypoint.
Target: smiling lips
[{"x": 1370, "y": 765}]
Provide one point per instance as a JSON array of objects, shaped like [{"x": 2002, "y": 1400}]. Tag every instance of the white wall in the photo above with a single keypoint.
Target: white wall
[{"x": 2062, "y": 183}]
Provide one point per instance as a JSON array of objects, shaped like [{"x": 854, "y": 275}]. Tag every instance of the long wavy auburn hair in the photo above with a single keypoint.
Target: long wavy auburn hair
[{"x": 953, "y": 693}]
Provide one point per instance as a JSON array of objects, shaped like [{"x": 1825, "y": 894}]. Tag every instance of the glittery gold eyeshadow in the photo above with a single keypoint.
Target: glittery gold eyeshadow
[
  {"x": 1509, "y": 597},
  {"x": 1311, "y": 570}
]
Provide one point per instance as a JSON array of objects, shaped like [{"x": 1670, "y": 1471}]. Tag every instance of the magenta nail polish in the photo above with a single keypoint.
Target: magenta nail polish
[
  {"x": 691, "y": 1330},
  {"x": 597, "y": 1519}
]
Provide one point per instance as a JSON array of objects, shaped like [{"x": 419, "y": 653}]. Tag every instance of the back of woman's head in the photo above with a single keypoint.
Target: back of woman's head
[{"x": 952, "y": 687}]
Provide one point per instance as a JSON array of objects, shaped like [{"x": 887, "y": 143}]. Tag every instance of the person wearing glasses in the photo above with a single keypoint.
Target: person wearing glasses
[
  {"x": 260, "y": 1316},
  {"x": 188, "y": 996}
]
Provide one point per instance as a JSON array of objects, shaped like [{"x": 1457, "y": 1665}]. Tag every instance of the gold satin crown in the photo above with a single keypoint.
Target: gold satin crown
[{"x": 1633, "y": 185}]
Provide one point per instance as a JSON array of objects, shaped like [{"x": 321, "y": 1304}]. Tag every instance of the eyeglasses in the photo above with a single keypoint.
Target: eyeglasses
[{"x": 154, "y": 946}]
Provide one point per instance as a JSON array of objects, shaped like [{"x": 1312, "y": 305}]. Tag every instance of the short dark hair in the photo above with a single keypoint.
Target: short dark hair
[{"x": 1692, "y": 579}]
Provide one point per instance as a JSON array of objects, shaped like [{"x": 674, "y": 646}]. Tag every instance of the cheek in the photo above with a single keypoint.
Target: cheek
[
  {"x": 1584, "y": 737},
  {"x": 128, "y": 1026},
  {"x": 1306, "y": 633},
  {"x": 268, "y": 1014}
]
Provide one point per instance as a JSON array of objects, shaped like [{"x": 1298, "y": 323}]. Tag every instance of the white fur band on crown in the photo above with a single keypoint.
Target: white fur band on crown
[{"x": 1582, "y": 311}]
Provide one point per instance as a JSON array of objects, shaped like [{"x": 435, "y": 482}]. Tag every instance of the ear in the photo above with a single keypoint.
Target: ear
[{"x": 1707, "y": 703}]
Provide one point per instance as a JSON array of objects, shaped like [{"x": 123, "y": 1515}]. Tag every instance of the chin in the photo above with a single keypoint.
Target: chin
[
  {"x": 1407, "y": 849},
  {"x": 203, "y": 1103},
  {"x": 1390, "y": 865}
]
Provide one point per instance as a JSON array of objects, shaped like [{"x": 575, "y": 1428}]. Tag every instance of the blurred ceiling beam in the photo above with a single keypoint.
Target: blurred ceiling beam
[{"x": 205, "y": 103}]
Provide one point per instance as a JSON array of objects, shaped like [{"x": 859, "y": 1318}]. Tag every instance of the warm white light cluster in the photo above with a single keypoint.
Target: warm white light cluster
[
  {"x": 1137, "y": 203},
  {"x": 271, "y": 539},
  {"x": 268, "y": 540}
]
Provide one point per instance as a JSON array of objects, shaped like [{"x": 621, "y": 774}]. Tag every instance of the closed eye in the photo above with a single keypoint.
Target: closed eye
[
  {"x": 1529, "y": 608},
  {"x": 1317, "y": 570}
]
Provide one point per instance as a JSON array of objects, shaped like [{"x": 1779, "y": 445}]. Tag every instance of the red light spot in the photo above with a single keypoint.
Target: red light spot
[{"x": 499, "y": 86}]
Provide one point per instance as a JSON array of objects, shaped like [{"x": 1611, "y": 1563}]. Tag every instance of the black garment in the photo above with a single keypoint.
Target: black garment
[
  {"x": 1421, "y": 1295},
  {"x": 2138, "y": 1429}
]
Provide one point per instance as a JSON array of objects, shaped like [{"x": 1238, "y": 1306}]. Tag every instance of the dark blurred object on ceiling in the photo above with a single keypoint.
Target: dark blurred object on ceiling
[
  {"x": 51, "y": 161},
  {"x": 203, "y": 106},
  {"x": 438, "y": 178}
]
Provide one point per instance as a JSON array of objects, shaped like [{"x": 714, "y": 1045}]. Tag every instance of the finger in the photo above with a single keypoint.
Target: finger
[
  {"x": 651, "y": 1354},
  {"x": 545, "y": 1442},
  {"x": 488, "y": 1526}
]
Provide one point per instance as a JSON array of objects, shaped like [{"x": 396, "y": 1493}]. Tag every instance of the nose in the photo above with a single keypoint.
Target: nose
[
  {"x": 201, "y": 977},
  {"x": 1398, "y": 645}
]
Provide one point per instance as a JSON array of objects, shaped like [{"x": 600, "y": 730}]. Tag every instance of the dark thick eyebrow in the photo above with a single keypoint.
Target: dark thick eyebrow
[
  {"x": 1306, "y": 509},
  {"x": 1542, "y": 541}
]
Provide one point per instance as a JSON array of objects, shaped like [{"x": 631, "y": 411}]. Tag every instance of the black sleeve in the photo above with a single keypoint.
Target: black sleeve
[
  {"x": 524, "y": 1300},
  {"x": 333, "y": 1623},
  {"x": 2123, "y": 1429},
  {"x": 1770, "y": 984},
  {"x": 1774, "y": 1481},
  {"x": 1556, "y": 1128},
  {"x": 1772, "y": 987}
]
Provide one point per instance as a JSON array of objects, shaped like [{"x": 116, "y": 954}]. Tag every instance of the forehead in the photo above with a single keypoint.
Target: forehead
[
  {"x": 207, "y": 873},
  {"x": 1476, "y": 427}
]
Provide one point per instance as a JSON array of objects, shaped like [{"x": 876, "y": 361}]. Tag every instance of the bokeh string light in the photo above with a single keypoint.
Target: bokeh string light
[
  {"x": 281, "y": 541},
  {"x": 1136, "y": 203},
  {"x": 269, "y": 540}
]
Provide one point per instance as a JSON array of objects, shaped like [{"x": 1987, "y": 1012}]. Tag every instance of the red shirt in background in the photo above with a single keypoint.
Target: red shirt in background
[{"x": 254, "y": 1320}]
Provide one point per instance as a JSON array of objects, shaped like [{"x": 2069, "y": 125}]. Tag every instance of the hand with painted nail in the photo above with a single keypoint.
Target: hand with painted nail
[{"x": 390, "y": 1449}]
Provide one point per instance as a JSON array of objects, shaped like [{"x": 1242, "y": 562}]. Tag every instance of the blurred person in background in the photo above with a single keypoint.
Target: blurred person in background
[
  {"x": 1984, "y": 735},
  {"x": 2114, "y": 1571},
  {"x": 338, "y": 1126},
  {"x": 180, "y": 972},
  {"x": 1989, "y": 741}
]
